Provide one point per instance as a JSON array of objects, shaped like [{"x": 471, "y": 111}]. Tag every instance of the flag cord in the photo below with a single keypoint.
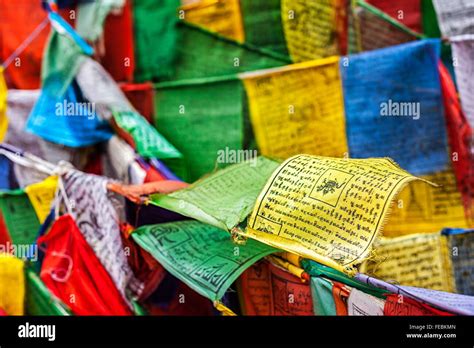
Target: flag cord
[
  {"x": 29, "y": 162},
  {"x": 64, "y": 196}
]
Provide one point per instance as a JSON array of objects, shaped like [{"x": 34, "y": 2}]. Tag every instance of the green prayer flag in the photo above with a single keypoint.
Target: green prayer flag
[
  {"x": 202, "y": 256},
  {"x": 223, "y": 199},
  {"x": 91, "y": 17},
  {"x": 321, "y": 293},
  {"x": 429, "y": 19},
  {"x": 61, "y": 62},
  {"x": 203, "y": 54},
  {"x": 148, "y": 141},
  {"x": 155, "y": 38},
  {"x": 263, "y": 24},
  {"x": 315, "y": 269},
  {"x": 200, "y": 120},
  {"x": 431, "y": 29},
  {"x": 39, "y": 300},
  {"x": 20, "y": 217}
]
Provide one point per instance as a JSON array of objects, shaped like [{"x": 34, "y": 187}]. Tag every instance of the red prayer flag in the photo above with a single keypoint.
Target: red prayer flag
[
  {"x": 74, "y": 274},
  {"x": 407, "y": 12},
  {"x": 398, "y": 305},
  {"x": 459, "y": 134}
]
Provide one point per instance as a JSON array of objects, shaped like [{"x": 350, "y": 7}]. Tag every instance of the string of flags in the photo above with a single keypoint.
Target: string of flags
[{"x": 236, "y": 157}]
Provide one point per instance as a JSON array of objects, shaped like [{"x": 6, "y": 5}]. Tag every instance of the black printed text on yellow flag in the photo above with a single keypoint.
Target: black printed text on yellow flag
[
  {"x": 327, "y": 209},
  {"x": 297, "y": 109}
]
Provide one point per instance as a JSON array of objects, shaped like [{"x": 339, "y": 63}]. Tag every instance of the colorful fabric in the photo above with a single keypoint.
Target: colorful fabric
[
  {"x": 290, "y": 295},
  {"x": 459, "y": 133},
  {"x": 340, "y": 292},
  {"x": 221, "y": 16},
  {"x": 266, "y": 289},
  {"x": 111, "y": 103},
  {"x": 12, "y": 289},
  {"x": 430, "y": 21},
  {"x": 19, "y": 19},
  {"x": 323, "y": 300},
  {"x": 407, "y": 12},
  {"x": 455, "y": 17},
  {"x": 186, "y": 121},
  {"x": 144, "y": 266},
  {"x": 394, "y": 306},
  {"x": 370, "y": 29},
  {"x": 98, "y": 221},
  {"x": 284, "y": 213},
  {"x": 315, "y": 269},
  {"x": 202, "y": 256},
  {"x": 4, "y": 235},
  {"x": 142, "y": 97},
  {"x": 168, "y": 300},
  {"x": 298, "y": 109},
  {"x": 223, "y": 199},
  {"x": 91, "y": 17},
  {"x": 39, "y": 300},
  {"x": 99, "y": 88},
  {"x": 119, "y": 57},
  {"x": 202, "y": 55},
  {"x": 3, "y": 106},
  {"x": 5, "y": 173},
  {"x": 396, "y": 111},
  {"x": 462, "y": 257},
  {"x": 263, "y": 24},
  {"x": 75, "y": 275},
  {"x": 146, "y": 139},
  {"x": 70, "y": 120},
  {"x": 254, "y": 288},
  {"x": 20, "y": 104},
  {"x": 310, "y": 28},
  {"x": 450, "y": 302},
  {"x": 463, "y": 50},
  {"x": 119, "y": 159},
  {"x": 421, "y": 260},
  {"x": 422, "y": 208},
  {"x": 61, "y": 62},
  {"x": 41, "y": 196},
  {"x": 19, "y": 216},
  {"x": 361, "y": 304},
  {"x": 155, "y": 26}
]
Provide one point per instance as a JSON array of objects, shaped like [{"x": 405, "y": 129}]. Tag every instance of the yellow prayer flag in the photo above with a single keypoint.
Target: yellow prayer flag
[
  {"x": 225, "y": 311},
  {"x": 41, "y": 196},
  {"x": 422, "y": 209},
  {"x": 420, "y": 260},
  {"x": 326, "y": 209},
  {"x": 298, "y": 109},
  {"x": 291, "y": 268},
  {"x": 220, "y": 16},
  {"x": 12, "y": 285},
  {"x": 310, "y": 28},
  {"x": 3, "y": 106}
]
